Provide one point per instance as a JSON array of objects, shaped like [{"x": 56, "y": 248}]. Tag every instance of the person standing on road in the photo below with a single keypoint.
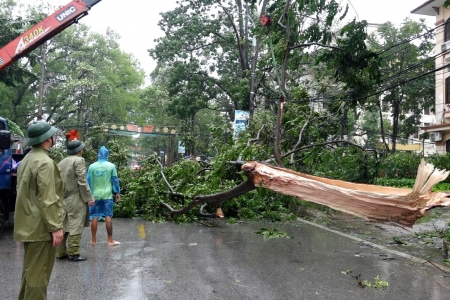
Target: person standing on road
[
  {"x": 103, "y": 181},
  {"x": 77, "y": 197},
  {"x": 38, "y": 213}
]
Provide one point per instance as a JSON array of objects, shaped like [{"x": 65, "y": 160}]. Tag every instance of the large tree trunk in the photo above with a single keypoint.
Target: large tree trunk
[{"x": 371, "y": 202}]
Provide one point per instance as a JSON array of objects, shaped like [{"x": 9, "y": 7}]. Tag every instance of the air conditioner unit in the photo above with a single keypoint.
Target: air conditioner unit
[
  {"x": 445, "y": 46},
  {"x": 435, "y": 137}
]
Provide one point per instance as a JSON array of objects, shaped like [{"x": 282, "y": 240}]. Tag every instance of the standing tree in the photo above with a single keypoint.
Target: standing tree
[
  {"x": 13, "y": 21},
  {"x": 408, "y": 80}
]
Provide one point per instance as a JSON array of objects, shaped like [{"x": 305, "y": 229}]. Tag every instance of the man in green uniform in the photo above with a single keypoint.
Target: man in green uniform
[
  {"x": 77, "y": 195},
  {"x": 39, "y": 213}
]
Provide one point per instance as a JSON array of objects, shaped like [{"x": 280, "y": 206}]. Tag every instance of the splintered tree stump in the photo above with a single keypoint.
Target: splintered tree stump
[{"x": 371, "y": 202}]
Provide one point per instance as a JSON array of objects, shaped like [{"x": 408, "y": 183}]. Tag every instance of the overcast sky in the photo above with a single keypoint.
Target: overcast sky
[{"x": 136, "y": 20}]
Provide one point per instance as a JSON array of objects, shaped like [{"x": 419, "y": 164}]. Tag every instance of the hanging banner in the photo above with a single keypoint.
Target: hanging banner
[
  {"x": 131, "y": 127},
  {"x": 240, "y": 121},
  {"x": 147, "y": 129}
]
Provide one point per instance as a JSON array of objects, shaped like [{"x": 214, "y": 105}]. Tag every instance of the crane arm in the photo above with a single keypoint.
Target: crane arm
[{"x": 44, "y": 30}]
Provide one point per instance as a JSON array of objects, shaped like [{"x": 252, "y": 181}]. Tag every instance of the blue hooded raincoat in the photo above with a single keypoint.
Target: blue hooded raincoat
[{"x": 102, "y": 177}]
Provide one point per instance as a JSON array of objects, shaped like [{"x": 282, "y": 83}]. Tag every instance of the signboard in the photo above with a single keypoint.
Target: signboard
[
  {"x": 240, "y": 121},
  {"x": 181, "y": 149}
]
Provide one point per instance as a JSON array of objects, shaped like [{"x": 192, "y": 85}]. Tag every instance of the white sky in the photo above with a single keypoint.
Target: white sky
[{"x": 136, "y": 20}]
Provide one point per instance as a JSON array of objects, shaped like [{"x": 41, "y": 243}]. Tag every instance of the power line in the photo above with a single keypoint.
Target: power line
[{"x": 390, "y": 86}]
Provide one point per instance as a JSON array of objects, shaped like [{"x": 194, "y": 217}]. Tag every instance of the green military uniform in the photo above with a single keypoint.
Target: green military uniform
[
  {"x": 76, "y": 200},
  {"x": 38, "y": 212}
]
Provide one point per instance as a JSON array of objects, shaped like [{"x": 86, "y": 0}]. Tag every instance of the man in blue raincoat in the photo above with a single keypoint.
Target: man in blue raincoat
[{"x": 103, "y": 182}]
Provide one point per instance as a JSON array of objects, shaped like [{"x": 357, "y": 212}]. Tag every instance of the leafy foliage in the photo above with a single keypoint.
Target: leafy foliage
[
  {"x": 14, "y": 128},
  {"x": 272, "y": 233},
  {"x": 400, "y": 165},
  {"x": 88, "y": 79},
  {"x": 377, "y": 284},
  {"x": 396, "y": 182},
  {"x": 147, "y": 188},
  {"x": 57, "y": 154},
  {"x": 344, "y": 163},
  {"x": 440, "y": 161},
  {"x": 14, "y": 20},
  {"x": 404, "y": 58},
  {"x": 408, "y": 183},
  {"x": 210, "y": 64}
]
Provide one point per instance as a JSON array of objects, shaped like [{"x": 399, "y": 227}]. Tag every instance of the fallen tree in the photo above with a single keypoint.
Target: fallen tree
[{"x": 371, "y": 202}]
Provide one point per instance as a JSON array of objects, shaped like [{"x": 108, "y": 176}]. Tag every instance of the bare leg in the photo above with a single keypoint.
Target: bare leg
[
  {"x": 218, "y": 211},
  {"x": 109, "y": 231},
  {"x": 94, "y": 224}
]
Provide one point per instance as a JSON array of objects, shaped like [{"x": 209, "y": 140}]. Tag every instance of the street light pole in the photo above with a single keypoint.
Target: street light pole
[{"x": 41, "y": 83}]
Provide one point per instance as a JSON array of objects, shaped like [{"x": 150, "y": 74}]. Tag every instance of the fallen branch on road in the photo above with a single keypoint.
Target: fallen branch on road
[{"x": 370, "y": 202}]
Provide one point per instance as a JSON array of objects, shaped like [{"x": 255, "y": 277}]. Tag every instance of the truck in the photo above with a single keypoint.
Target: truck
[
  {"x": 26, "y": 42},
  {"x": 10, "y": 156}
]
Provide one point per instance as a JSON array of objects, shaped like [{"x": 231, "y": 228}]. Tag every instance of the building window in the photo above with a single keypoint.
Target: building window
[
  {"x": 447, "y": 30},
  {"x": 447, "y": 90},
  {"x": 447, "y": 146},
  {"x": 427, "y": 111}
]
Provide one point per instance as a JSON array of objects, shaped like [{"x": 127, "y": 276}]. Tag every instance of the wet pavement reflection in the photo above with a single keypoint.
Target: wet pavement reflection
[{"x": 191, "y": 261}]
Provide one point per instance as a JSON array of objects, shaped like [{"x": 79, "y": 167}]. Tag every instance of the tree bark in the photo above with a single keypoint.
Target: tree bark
[
  {"x": 218, "y": 198},
  {"x": 374, "y": 203}
]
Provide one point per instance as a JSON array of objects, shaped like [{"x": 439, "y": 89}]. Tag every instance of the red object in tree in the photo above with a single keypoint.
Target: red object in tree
[
  {"x": 73, "y": 135},
  {"x": 266, "y": 20}
]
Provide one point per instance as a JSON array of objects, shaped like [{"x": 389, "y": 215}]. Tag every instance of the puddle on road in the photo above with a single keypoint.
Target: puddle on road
[{"x": 140, "y": 284}]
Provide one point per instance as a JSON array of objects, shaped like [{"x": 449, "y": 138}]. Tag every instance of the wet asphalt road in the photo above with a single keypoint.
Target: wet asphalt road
[{"x": 190, "y": 261}]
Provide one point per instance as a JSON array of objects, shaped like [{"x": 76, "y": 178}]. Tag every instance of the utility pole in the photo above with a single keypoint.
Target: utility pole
[{"x": 41, "y": 83}]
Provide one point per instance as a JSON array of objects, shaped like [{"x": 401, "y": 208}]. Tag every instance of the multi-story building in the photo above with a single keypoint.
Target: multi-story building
[{"x": 440, "y": 130}]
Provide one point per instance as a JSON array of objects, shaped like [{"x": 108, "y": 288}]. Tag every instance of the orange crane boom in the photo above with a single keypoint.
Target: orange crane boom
[{"x": 44, "y": 30}]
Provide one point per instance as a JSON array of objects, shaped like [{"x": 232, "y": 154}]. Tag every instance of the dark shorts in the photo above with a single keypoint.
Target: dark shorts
[{"x": 102, "y": 208}]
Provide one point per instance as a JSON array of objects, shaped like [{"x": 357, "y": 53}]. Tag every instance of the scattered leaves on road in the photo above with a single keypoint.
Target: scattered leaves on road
[{"x": 272, "y": 233}]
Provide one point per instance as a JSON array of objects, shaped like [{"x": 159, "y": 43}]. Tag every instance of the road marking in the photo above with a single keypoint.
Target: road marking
[
  {"x": 141, "y": 229},
  {"x": 405, "y": 255}
]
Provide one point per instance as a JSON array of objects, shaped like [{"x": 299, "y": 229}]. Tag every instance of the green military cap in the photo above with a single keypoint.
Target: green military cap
[
  {"x": 74, "y": 147},
  {"x": 38, "y": 132}
]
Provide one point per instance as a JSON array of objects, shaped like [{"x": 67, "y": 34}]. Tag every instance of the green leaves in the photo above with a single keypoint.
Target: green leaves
[
  {"x": 354, "y": 65},
  {"x": 13, "y": 22},
  {"x": 87, "y": 78},
  {"x": 405, "y": 55},
  {"x": 14, "y": 128},
  {"x": 272, "y": 233}
]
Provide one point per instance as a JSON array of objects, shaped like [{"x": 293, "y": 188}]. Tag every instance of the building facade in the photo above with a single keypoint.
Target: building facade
[{"x": 440, "y": 130}]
